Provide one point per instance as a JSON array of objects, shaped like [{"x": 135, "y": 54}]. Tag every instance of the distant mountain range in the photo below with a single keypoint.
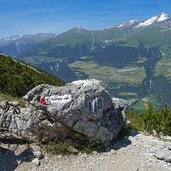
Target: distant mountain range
[
  {"x": 16, "y": 44},
  {"x": 133, "y": 58}
]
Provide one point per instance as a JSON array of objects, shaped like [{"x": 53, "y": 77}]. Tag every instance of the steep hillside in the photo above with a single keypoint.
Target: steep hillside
[
  {"x": 132, "y": 58},
  {"x": 17, "y": 78}
]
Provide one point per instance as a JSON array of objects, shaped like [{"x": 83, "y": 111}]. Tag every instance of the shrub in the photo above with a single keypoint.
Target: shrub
[
  {"x": 57, "y": 148},
  {"x": 69, "y": 147},
  {"x": 150, "y": 120}
]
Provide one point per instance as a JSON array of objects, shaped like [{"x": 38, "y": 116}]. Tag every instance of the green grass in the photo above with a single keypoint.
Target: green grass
[
  {"x": 128, "y": 94},
  {"x": 139, "y": 106},
  {"x": 164, "y": 68},
  {"x": 58, "y": 148},
  {"x": 89, "y": 147},
  {"x": 69, "y": 147},
  {"x": 131, "y": 75},
  {"x": 9, "y": 97}
]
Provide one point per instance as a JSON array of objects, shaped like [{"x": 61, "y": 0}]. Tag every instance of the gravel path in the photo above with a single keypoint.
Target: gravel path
[{"x": 136, "y": 154}]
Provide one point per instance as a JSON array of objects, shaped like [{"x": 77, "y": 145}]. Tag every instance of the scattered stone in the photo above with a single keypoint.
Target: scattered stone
[
  {"x": 113, "y": 151},
  {"x": 168, "y": 145},
  {"x": 59, "y": 156},
  {"x": 38, "y": 154},
  {"x": 72, "y": 150},
  {"x": 163, "y": 155},
  {"x": 95, "y": 152},
  {"x": 159, "y": 154},
  {"x": 36, "y": 162},
  {"x": 19, "y": 162}
]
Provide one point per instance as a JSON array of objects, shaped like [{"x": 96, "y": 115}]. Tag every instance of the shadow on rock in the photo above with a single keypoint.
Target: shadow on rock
[{"x": 9, "y": 160}]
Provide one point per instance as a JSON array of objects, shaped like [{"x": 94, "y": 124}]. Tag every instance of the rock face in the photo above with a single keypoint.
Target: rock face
[
  {"x": 164, "y": 154},
  {"x": 120, "y": 103},
  {"x": 79, "y": 110}
]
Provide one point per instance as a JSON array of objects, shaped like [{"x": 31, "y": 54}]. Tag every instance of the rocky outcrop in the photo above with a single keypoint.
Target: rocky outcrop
[
  {"x": 79, "y": 110},
  {"x": 120, "y": 103},
  {"x": 164, "y": 154}
]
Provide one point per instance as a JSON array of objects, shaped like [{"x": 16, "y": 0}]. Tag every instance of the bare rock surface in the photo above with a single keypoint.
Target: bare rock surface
[{"x": 164, "y": 153}]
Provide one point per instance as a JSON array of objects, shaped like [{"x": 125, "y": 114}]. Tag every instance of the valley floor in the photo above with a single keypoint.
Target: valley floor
[{"x": 134, "y": 153}]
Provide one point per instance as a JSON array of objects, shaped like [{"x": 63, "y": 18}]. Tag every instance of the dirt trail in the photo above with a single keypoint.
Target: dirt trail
[{"x": 134, "y": 153}]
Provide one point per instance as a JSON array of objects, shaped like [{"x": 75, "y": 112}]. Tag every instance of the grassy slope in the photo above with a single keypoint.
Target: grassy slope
[
  {"x": 131, "y": 75},
  {"x": 17, "y": 78}
]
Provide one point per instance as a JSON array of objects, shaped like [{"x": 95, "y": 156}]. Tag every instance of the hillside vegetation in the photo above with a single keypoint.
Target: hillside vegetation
[
  {"x": 17, "y": 78},
  {"x": 151, "y": 121}
]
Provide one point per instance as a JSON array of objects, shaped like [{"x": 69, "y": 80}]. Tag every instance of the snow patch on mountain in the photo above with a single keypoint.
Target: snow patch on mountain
[
  {"x": 147, "y": 22},
  {"x": 163, "y": 17},
  {"x": 124, "y": 24},
  {"x": 11, "y": 38},
  {"x": 128, "y": 23},
  {"x": 154, "y": 19},
  {"x": 138, "y": 24}
]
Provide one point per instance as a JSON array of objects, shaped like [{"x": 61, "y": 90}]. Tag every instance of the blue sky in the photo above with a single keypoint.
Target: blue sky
[{"x": 33, "y": 16}]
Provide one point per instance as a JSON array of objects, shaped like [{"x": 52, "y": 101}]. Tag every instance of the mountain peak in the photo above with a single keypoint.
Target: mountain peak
[
  {"x": 155, "y": 19},
  {"x": 163, "y": 17}
]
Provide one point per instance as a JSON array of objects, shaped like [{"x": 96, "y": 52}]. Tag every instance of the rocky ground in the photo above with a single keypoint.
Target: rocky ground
[
  {"x": 81, "y": 110},
  {"x": 133, "y": 153}
]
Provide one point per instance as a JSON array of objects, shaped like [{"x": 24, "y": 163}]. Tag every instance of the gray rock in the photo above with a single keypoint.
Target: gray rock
[
  {"x": 163, "y": 155},
  {"x": 36, "y": 162},
  {"x": 168, "y": 145},
  {"x": 38, "y": 154},
  {"x": 19, "y": 162},
  {"x": 167, "y": 157},
  {"x": 120, "y": 103},
  {"x": 59, "y": 157},
  {"x": 82, "y": 110},
  {"x": 159, "y": 154}
]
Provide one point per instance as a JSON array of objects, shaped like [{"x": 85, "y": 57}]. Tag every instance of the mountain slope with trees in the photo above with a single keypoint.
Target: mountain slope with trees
[{"x": 17, "y": 78}]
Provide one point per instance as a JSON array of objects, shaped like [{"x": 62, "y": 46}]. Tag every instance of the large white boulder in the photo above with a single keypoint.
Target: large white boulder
[{"x": 79, "y": 110}]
